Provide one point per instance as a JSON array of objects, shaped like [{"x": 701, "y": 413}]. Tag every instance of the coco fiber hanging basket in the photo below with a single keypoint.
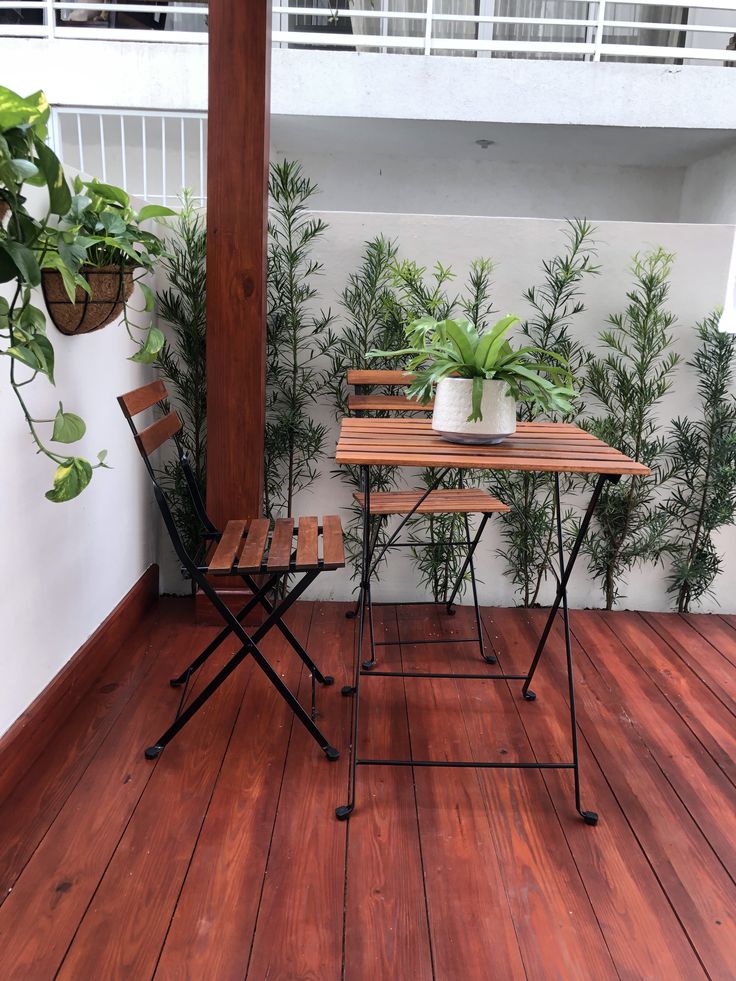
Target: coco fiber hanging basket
[{"x": 111, "y": 288}]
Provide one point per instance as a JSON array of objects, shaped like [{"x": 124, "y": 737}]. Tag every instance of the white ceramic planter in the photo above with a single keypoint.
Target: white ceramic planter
[{"x": 453, "y": 405}]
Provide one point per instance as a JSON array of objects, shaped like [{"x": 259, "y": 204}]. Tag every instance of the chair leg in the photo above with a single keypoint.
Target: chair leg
[
  {"x": 488, "y": 658},
  {"x": 250, "y": 646}
]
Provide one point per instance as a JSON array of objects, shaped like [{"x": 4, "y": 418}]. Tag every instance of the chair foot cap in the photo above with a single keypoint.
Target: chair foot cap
[
  {"x": 344, "y": 812},
  {"x": 347, "y": 690},
  {"x": 490, "y": 659},
  {"x": 451, "y": 611},
  {"x": 328, "y": 680},
  {"x": 590, "y": 817},
  {"x": 152, "y": 752},
  {"x": 529, "y": 695},
  {"x": 368, "y": 665},
  {"x": 176, "y": 682},
  {"x": 350, "y": 615},
  {"x": 331, "y": 753}
]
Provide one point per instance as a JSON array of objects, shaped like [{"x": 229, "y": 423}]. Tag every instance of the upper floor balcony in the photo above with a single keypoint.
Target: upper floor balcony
[{"x": 675, "y": 32}]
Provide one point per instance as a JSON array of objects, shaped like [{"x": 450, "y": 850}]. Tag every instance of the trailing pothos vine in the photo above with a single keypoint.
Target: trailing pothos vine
[{"x": 77, "y": 230}]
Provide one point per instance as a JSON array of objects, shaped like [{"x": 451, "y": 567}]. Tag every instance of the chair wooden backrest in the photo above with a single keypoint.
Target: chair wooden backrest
[
  {"x": 363, "y": 401},
  {"x": 152, "y": 438}
]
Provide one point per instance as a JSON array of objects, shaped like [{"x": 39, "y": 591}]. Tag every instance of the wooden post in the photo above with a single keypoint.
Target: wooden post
[
  {"x": 237, "y": 207},
  {"x": 237, "y": 210}
]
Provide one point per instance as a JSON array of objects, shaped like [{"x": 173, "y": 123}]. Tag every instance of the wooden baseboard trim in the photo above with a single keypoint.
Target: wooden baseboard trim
[{"x": 32, "y": 731}]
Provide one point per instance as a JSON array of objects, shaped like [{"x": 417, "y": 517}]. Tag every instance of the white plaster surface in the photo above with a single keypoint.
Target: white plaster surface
[{"x": 518, "y": 246}]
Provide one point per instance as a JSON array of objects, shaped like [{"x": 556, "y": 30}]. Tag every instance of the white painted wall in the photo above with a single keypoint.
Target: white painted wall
[
  {"x": 68, "y": 565},
  {"x": 709, "y": 188},
  {"x": 486, "y": 185},
  {"x": 518, "y": 245}
]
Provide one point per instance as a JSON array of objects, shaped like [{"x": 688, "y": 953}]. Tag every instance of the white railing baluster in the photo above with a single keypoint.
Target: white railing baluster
[
  {"x": 123, "y": 150},
  {"x": 103, "y": 149},
  {"x": 428, "y": 29},
  {"x": 183, "y": 154},
  {"x": 599, "y": 27},
  {"x": 144, "y": 147},
  {"x": 163, "y": 158},
  {"x": 80, "y": 142}
]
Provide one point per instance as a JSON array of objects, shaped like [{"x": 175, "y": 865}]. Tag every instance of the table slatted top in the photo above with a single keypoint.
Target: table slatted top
[{"x": 555, "y": 447}]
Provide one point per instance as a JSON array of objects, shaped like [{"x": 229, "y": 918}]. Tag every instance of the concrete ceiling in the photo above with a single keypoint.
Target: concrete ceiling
[{"x": 446, "y": 139}]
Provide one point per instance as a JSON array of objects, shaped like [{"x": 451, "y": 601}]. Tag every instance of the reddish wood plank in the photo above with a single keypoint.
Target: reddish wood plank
[
  {"x": 701, "y": 785},
  {"x": 125, "y": 924},
  {"x": 720, "y": 632},
  {"x": 215, "y": 915},
  {"x": 453, "y": 501},
  {"x": 228, "y": 547},
  {"x": 251, "y": 557},
  {"x": 282, "y": 544},
  {"x": 699, "y": 889},
  {"x": 143, "y": 398},
  {"x": 706, "y": 715},
  {"x": 396, "y": 403},
  {"x": 41, "y": 915},
  {"x": 469, "y": 892},
  {"x": 307, "y": 545},
  {"x": 31, "y": 732},
  {"x": 31, "y": 808},
  {"x": 707, "y": 661},
  {"x": 155, "y": 435},
  {"x": 386, "y": 930},
  {"x": 303, "y": 892},
  {"x": 642, "y": 932},
  {"x": 375, "y": 376},
  {"x": 333, "y": 547}
]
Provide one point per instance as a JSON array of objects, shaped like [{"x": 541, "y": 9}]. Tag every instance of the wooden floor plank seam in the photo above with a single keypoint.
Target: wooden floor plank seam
[
  {"x": 248, "y": 682},
  {"x": 710, "y": 683},
  {"x": 276, "y": 810},
  {"x": 633, "y": 828},
  {"x": 553, "y": 803},
  {"x": 113, "y": 851},
  {"x": 654, "y": 679}
]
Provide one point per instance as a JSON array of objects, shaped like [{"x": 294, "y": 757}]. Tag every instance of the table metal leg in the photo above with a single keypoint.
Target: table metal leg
[{"x": 343, "y": 813}]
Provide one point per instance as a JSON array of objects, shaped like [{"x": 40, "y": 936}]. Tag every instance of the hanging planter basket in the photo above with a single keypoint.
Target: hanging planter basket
[{"x": 111, "y": 288}]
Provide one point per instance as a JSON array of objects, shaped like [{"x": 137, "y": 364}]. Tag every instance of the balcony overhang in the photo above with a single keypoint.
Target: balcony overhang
[{"x": 160, "y": 75}]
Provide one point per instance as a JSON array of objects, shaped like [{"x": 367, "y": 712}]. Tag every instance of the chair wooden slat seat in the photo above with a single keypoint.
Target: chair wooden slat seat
[
  {"x": 463, "y": 500},
  {"x": 252, "y": 547}
]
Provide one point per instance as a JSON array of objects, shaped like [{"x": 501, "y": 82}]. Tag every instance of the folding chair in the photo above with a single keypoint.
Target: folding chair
[
  {"x": 452, "y": 500},
  {"x": 247, "y": 549}
]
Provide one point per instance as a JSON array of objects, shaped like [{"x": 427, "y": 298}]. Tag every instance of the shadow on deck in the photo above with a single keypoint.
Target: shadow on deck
[{"x": 223, "y": 858}]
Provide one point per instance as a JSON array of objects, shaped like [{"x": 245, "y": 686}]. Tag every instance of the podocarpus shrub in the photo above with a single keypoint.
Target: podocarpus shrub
[
  {"x": 627, "y": 384},
  {"x": 703, "y": 496}
]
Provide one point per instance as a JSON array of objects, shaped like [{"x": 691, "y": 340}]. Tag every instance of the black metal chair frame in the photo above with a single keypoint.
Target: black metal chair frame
[
  {"x": 233, "y": 621},
  {"x": 566, "y": 565}
]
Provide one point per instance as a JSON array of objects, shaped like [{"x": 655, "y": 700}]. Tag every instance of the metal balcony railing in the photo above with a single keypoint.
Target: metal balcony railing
[{"x": 659, "y": 31}]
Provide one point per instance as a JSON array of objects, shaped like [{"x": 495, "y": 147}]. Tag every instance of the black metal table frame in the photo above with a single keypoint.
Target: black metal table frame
[{"x": 367, "y": 668}]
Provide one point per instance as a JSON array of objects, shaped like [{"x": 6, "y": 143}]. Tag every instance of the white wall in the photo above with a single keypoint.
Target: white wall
[
  {"x": 488, "y": 186},
  {"x": 709, "y": 188},
  {"x": 518, "y": 245},
  {"x": 68, "y": 565}
]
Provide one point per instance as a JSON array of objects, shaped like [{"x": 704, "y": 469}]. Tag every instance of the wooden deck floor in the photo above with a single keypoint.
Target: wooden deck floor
[{"x": 223, "y": 859}]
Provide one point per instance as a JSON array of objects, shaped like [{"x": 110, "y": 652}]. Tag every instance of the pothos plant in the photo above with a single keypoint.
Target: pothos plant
[
  {"x": 100, "y": 230},
  {"x": 30, "y": 244},
  {"x": 24, "y": 246}
]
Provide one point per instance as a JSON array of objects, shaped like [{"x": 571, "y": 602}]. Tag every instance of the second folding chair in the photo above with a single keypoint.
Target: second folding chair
[{"x": 461, "y": 500}]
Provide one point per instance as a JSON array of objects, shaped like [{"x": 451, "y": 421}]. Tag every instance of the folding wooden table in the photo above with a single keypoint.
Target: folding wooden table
[{"x": 555, "y": 448}]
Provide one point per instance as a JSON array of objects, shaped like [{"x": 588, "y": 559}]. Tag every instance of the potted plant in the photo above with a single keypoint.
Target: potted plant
[
  {"x": 99, "y": 239},
  {"x": 476, "y": 378}
]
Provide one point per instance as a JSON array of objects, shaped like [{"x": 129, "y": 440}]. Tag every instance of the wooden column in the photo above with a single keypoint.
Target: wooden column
[{"x": 237, "y": 203}]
